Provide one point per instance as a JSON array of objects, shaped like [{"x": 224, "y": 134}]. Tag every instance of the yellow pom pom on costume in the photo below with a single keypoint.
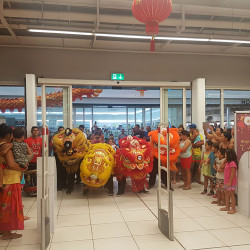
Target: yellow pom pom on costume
[
  {"x": 71, "y": 146},
  {"x": 98, "y": 165}
]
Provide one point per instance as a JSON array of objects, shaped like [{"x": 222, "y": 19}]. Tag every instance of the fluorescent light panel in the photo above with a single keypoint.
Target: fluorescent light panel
[{"x": 165, "y": 38}]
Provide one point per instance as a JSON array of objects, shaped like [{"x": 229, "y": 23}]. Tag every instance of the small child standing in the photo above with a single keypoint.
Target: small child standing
[
  {"x": 212, "y": 157},
  {"x": 230, "y": 180},
  {"x": 219, "y": 167},
  {"x": 206, "y": 168}
]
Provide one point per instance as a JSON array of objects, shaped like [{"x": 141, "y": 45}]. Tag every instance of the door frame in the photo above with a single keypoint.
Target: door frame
[{"x": 164, "y": 104}]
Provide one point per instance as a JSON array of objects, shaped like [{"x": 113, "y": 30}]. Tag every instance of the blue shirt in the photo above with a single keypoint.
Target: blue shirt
[{"x": 212, "y": 160}]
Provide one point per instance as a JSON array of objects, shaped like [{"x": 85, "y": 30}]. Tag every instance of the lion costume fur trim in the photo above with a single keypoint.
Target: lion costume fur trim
[{"x": 71, "y": 163}]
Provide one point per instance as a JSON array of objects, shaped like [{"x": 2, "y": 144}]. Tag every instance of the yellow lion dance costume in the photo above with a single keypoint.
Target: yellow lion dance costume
[
  {"x": 98, "y": 165},
  {"x": 71, "y": 147}
]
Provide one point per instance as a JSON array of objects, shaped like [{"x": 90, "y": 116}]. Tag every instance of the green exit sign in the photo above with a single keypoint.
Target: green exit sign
[{"x": 117, "y": 76}]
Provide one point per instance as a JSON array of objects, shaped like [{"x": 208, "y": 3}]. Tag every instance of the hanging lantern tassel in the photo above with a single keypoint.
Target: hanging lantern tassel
[{"x": 152, "y": 44}]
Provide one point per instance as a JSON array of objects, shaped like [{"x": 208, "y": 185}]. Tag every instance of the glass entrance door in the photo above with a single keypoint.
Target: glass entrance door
[
  {"x": 173, "y": 106},
  {"x": 56, "y": 111},
  {"x": 57, "y": 107}
]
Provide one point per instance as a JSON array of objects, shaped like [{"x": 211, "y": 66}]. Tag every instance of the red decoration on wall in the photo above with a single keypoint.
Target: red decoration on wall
[
  {"x": 141, "y": 91},
  {"x": 52, "y": 99},
  {"x": 152, "y": 12}
]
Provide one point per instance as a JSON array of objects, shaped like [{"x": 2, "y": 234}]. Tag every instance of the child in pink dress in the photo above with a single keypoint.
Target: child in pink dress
[{"x": 230, "y": 180}]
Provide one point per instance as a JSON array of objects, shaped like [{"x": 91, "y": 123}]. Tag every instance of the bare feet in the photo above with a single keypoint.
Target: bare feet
[
  {"x": 221, "y": 204},
  {"x": 224, "y": 209},
  {"x": 186, "y": 188},
  {"x": 232, "y": 211},
  {"x": 173, "y": 182},
  {"x": 26, "y": 218},
  {"x": 11, "y": 236},
  {"x": 182, "y": 186},
  {"x": 214, "y": 202}
]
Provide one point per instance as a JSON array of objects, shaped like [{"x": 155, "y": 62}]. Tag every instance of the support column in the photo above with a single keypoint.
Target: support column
[
  {"x": 198, "y": 103},
  {"x": 31, "y": 102}
]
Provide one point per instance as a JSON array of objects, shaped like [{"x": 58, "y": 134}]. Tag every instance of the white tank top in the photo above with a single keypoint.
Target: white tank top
[{"x": 186, "y": 154}]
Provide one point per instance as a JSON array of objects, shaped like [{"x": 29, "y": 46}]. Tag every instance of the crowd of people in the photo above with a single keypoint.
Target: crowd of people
[{"x": 217, "y": 163}]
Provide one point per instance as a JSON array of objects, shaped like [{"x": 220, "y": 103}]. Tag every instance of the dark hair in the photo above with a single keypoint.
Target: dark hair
[
  {"x": 5, "y": 130},
  {"x": 216, "y": 145},
  {"x": 60, "y": 127},
  {"x": 185, "y": 133},
  {"x": 231, "y": 156},
  {"x": 34, "y": 127},
  {"x": 173, "y": 126},
  {"x": 209, "y": 143},
  {"x": 227, "y": 135},
  {"x": 221, "y": 130},
  {"x": 222, "y": 151},
  {"x": 18, "y": 133},
  {"x": 81, "y": 126},
  {"x": 181, "y": 126}
]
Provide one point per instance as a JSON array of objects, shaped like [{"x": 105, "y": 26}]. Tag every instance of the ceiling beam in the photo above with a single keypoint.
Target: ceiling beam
[
  {"x": 5, "y": 23},
  {"x": 74, "y": 16},
  {"x": 127, "y": 4}
]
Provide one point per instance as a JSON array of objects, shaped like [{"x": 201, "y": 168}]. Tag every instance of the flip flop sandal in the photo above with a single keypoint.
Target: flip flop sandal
[{"x": 11, "y": 236}]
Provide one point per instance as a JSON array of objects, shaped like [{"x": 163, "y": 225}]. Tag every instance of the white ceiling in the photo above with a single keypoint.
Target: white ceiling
[{"x": 224, "y": 19}]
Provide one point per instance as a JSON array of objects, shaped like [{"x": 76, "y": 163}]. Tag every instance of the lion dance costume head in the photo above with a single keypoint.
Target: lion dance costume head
[
  {"x": 98, "y": 165},
  {"x": 174, "y": 139},
  {"x": 71, "y": 146},
  {"x": 134, "y": 159}
]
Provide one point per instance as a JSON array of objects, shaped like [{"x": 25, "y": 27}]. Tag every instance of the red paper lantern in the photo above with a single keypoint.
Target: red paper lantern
[{"x": 152, "y": 12}]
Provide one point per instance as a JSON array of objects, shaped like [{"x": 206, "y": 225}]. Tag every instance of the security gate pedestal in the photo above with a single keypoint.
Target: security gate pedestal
[{"x": 165, "y": 218}]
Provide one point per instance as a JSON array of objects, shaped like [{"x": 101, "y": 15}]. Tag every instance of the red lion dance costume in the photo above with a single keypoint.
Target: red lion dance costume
[
  {"x": 134, "y": 159},
  {"x": 174, "y": 145}
]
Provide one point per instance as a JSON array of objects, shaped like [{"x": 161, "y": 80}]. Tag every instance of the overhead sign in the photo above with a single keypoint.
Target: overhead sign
[{"x": 117, "y": 76}]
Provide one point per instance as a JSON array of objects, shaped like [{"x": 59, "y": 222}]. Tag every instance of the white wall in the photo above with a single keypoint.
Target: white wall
[{"x": 219, "y": 71}]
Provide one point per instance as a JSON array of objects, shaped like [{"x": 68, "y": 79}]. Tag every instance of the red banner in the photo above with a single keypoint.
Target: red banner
[{"x": 242, "y": 133}]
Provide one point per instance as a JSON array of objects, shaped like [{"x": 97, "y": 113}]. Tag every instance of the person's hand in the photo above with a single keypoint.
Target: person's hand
[
  {"x": 228, "y": 184},
  {"x": 211, "y": 128}
]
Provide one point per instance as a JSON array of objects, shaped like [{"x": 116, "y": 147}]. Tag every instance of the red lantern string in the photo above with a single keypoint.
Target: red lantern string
[
  {"x": 152, "y": 12},
  {"x": 52, "y": 99}
]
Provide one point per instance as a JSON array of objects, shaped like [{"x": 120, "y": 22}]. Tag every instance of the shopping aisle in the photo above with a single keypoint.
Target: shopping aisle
[{"x": 101, "y": 222}]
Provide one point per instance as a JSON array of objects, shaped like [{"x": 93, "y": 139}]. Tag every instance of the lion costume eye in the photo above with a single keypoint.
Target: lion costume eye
[{"x": 126, "y": 160}]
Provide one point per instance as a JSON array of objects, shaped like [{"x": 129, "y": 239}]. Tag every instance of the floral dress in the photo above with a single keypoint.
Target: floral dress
[
  {"x": 206, "y": 168},
  {"x": 11, "y": 207}
]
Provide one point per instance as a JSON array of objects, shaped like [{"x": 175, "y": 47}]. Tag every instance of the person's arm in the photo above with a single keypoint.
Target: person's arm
[
  {"x": 199, "y": 144},
  {"x": 186, "y": 146},
  {"x": 5, "y": 148},
  {"x": 208, "y": 136},
  {"x": 233, "y": 172},
  {"x": 216, "y": 137},
  {"x": 11, "y": 162},
  {"x": 29, "y": 151},
  {"x": 222, "y": 166},
  {"x": 202, "y": 160},
  {"x": 207, "y": 161},
  {"x": 231, "y": 144},
  {"x": 215, "y": 167}
]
